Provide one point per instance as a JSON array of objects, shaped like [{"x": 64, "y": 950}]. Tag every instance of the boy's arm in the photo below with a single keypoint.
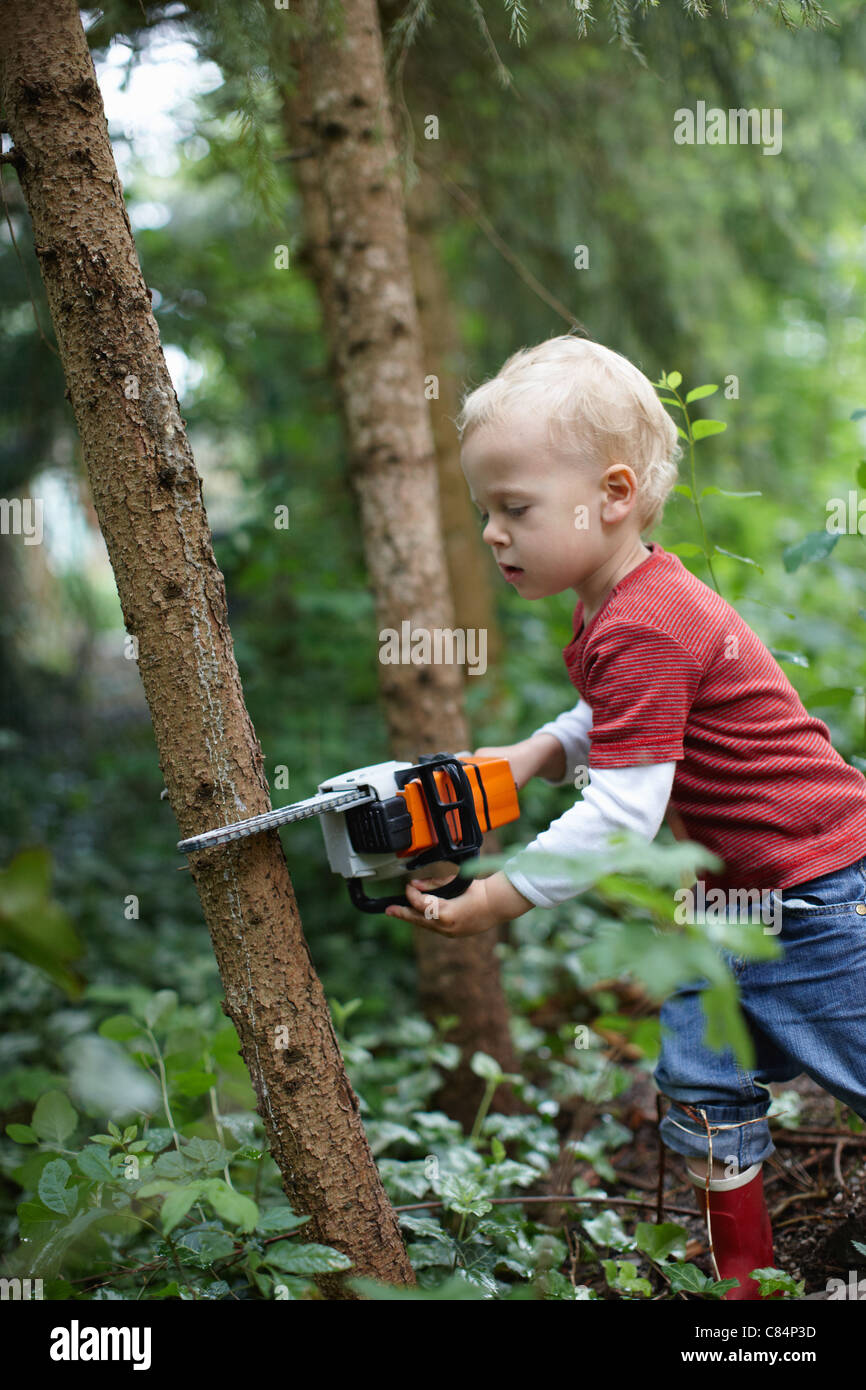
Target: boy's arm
[
  {"x": 617, "y": 798},
  {"x": 571, "y": 731}
]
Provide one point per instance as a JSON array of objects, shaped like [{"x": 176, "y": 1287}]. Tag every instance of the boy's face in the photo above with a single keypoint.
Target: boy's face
[{"x": 551, "y": 522}]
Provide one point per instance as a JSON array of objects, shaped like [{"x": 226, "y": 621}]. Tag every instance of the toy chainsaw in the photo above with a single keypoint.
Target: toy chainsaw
[{"x": 391, "y": 818}]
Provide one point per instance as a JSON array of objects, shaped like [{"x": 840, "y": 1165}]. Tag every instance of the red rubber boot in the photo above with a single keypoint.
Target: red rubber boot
[{"x": 740, "y": 1222}]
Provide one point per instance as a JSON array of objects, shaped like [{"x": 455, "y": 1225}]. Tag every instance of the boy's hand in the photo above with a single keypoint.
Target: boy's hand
[{"x": 487, "y": 903}]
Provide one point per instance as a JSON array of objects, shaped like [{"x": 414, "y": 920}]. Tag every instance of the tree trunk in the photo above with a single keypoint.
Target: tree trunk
[
  {"x": 470, "y": 565},
  {"x": 339, "y": 124},
  {"x": 147, "y": 495}
]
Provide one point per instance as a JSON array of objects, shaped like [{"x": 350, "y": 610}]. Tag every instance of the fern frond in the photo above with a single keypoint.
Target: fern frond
[
  {"x": 620, "y": 18},
  {"x": 518, "y": 20}
]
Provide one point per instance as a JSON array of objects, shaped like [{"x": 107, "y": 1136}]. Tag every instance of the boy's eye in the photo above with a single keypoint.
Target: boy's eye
[{"x": 509, "y": 511}]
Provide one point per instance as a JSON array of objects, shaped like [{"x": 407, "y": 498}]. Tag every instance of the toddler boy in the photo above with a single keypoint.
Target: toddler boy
[{"x": 570, "y": 456}]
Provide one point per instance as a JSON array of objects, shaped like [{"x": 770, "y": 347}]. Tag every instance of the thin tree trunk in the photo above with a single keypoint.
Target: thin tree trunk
[
  {"x": 470, "y": 565},
  {"x": 147, "y": 495},
  {"x": 339, "y": 124}
]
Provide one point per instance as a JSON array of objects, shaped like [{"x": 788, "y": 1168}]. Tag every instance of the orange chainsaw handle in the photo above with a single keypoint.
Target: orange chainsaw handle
[{"x": 452, "y": 801}]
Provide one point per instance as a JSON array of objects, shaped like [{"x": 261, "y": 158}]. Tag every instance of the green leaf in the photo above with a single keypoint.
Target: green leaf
[
  {"x": 208, "y": 1246},
  {"x": 725, "y": 1025},
  {"x": 686, "y": 548},
  {"x": 486, "y": 1066},
  {"x": 159, "y": 1007},
  {"x": 463, "y": 1194},
  {"x": 607, "y": 1229},
  {"x": 177, "y": 1204},
  {"x": 285, "y": 1255},
  {"x": 681, "y": 432},
  {"x": 673, "y": 379},
  {"x": 744, "y": 558},
  {"x": 226, "y": 1046},
  {"x": 623, "y": 1275},
  {"x": 689, "y": 1279},
  {"x": 659, "y": 1241},
  {"x": 712, "y": 490},
  {"x": 382, "y": 1133},
  {"x": 192, "y": 1083},
  {"x": 834, "y": 695},
  {"x": 157, "y": 1188},
  {"x": 172, "y": 1165},
  {"x": 232, "y": 1206},
  {"x": 683, "y": 488},
  {"x": 22, "y": 1134},
  {"x": 861, "y": 473},
  {"x": 404, "y": 1178},
  {"x": 206, "y": 1153},
  {"x": 796, "y": 658},
  {"x": 671, "y": 400},
  {"x": 94, "y": 1163},
  {"x": 120, "y": 1027},
  {"x": 455, "y": 1289},
  {"x": 489, "y": 1068},
  {"x": 699, "y": 392},
  {"x": 53, "y": 1190},
  {"x": 32, "y": 1217},
  {"x": 54, "y": 1118},
  {"x": 159, "y": 1138},
  {"x": 814, "y": 546},
  {"x": 770, "y": 1279},
  {"x": 280, "y": 1219},
  {"x": 702, "y": 429},
  {"x": 429, "y": 1254},
  {"x": 45, "y": 1260},
  {"x": 32, "y": 925}
]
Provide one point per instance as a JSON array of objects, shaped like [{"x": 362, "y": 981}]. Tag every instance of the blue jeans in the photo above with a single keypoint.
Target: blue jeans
[{"x": 805, "y": 1010}]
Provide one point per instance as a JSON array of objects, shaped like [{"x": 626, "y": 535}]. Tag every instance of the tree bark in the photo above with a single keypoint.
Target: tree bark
[
  {"x": 470, "y": 565},
  {"x": 339, "y": 124},
  {"x": 148, "y": 498}
]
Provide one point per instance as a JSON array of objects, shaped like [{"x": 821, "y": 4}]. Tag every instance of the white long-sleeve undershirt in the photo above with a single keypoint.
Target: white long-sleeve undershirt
[{"x": 615, "y": 798}]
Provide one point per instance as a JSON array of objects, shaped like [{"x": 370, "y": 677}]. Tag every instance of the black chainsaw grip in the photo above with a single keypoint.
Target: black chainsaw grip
[
  {"x": 448, "y": 847},
  {"x": 452, "y": 889}
]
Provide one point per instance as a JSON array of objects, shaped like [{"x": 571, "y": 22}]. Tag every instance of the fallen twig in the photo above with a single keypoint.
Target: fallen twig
[
  {"x": 797, "y": 1197},
  {"x": 837, "y": 1165},
  {"x": 807, "y": 1130},
  {"x": 566, "y": 1197},
  {"x": 806, "y": 1216}
]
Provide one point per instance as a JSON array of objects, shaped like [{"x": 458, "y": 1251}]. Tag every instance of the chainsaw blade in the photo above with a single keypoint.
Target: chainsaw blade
[{"x": 283, "y": 815}]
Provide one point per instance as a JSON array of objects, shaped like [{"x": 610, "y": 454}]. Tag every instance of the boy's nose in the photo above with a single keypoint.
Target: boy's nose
[{"x": 494, "y": 534}]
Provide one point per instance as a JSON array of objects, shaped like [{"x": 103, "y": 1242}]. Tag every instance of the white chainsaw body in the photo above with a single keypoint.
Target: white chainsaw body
[{"x": 343, "y": 859}]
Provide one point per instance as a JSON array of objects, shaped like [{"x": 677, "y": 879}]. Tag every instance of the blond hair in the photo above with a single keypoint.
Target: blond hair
[{"x": 598, "y": 406}]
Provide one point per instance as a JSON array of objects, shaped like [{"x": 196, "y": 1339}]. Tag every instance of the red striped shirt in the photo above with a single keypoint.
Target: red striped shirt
[{"x": 672, "y": 672}]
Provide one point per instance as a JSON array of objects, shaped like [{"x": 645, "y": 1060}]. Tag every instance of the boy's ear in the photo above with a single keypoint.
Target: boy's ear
[{"x": 616, "y": 467}]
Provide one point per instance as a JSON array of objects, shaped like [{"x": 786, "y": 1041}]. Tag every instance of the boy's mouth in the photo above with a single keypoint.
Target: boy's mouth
[{"x": 510, "y": 571}]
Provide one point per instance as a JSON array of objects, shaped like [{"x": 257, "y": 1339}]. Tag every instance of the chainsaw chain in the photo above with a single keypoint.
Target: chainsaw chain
[{"x": 283, "y": 815}]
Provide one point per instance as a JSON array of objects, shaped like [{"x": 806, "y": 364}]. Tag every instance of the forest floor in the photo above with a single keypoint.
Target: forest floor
[{"x": 815, "y": 1186}]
